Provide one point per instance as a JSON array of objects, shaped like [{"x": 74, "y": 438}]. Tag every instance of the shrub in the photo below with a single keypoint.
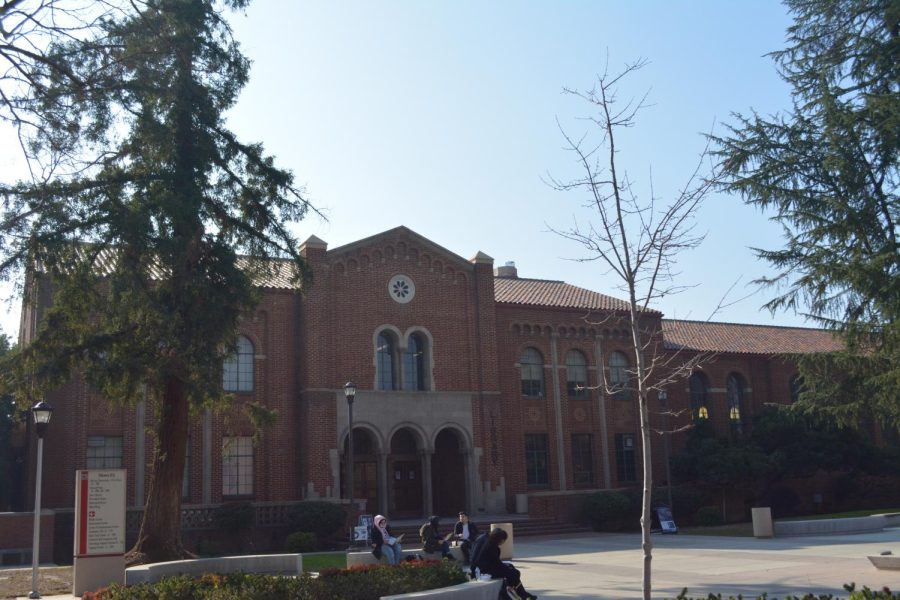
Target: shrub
[
  {"x": 300, "y": 541},
  {"x": 607, "y": 511},
  {"x": 709, "y": 516},
  {"x": 321, "y": 518}
]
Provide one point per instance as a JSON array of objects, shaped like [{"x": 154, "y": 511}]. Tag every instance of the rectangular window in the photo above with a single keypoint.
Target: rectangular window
[
  {"x": 583, "y": 459},
  {"x": 537, "y": 459},
  {"x": 237, "y": 466},
  {"x": 104, "y": 452},
  {"x": 625, "y": 457}
]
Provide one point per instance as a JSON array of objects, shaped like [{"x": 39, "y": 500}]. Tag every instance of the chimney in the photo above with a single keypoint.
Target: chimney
[{"x": 507, "y": 270}]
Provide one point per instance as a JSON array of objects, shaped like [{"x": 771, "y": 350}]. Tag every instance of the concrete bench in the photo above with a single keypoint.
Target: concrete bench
[
  {"x": 270, "y": 564},
  {"x": 885, "y": 562},
  {"x": 471, "y": 590},
  {"x": 367, "y": 558},
  {"x": 830, "y": 526}
]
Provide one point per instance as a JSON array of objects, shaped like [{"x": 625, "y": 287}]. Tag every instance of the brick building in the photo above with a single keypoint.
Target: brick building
[{"x": 477, "y": 389}]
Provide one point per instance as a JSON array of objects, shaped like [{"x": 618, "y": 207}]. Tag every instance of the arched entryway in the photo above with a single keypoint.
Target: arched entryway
[
  {"x": 448, "y": 474},
  {"x": 365, "y": 468},
  {"x": 405, "y": 475}
]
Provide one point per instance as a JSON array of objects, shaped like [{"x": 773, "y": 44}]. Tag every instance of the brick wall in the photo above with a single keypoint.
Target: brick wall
[{"x": 17, "y": 535}]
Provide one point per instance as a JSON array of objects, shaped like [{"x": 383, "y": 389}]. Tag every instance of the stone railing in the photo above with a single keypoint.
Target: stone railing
[{"x": 200, "y": 516}]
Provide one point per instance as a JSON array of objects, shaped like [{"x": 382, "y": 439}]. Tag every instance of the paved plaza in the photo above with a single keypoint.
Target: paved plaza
[{"x": 608, "y": 566}]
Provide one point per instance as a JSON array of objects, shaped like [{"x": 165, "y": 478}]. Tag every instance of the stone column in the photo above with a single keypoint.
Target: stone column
[
  {"x": 601, "y": 414},
  {"x": 381, "y": 474},
  {"x": 428, "y": 501}
]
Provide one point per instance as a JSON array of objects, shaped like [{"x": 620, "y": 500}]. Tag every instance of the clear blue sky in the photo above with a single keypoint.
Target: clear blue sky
[{"x": 441, "y": 116}]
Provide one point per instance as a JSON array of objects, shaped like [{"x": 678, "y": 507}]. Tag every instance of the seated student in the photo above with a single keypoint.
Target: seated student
[
  {"x": 384, "y": 542},
  {"x": 466, "y": 532},
  {"x": 487, "y": 560},
  {"x": 432, "y": 540}
]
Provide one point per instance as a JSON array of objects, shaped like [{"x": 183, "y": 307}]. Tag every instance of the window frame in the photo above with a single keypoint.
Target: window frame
[
  {"x": 238, "y": 368},
  {"x": 583, "y": 460},
  {"x": 734, "y": 397},
  {"x": 414, "y": 373},
  {"x": 236, "y": 448},
  {"x": 626, "y": 458},
  {"x": 537, "y": 460},
  {"x": 573, "y": 369},
  {"x": 529, "y": 386},
  {"x": 111, "y": 457},
  {"x": 699, "y": 397},
  {"x": 386, "y": 344},
  {"x": 618, "y": 376}
]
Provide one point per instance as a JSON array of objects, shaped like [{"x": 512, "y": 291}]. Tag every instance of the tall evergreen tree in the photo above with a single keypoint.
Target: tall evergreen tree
[
  {"x": 143, "y": 245},
  {"x": 828, "y": 169}
]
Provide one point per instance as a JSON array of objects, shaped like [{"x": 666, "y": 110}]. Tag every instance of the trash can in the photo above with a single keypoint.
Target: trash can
[
  {"x": 506, "y": 549},
  {"x": 522, "y": 504},
  {"x": 762, "y": 522}
]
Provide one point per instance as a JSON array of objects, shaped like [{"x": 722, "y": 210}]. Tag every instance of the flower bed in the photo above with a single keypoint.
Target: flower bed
[{"x": 357, "y": 583}]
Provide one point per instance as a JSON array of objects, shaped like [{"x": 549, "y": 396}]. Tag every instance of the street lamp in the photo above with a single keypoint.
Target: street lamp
[
  {"x": 41, "y": 412},
  {"x": 662, "y": 396},
  {"x": 350, "y": 393}
]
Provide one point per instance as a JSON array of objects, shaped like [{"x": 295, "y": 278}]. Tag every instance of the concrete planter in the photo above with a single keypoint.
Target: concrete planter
[{"x": 471, "y": 590}]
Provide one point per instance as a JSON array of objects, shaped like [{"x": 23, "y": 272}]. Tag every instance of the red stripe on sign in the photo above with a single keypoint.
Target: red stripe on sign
[{"x": 82, "y": 533}]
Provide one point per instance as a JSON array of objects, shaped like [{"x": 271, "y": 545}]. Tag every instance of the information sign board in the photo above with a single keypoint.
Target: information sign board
[
  {"x": 99, "y": 512},
  {"x": 666, "y": 521}
]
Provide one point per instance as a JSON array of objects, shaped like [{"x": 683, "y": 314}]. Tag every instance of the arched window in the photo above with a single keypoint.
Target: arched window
[
  {"x": 532, "y": 365},
  {"x": 384, "y": 361},
  {"x": 576, "y": 374},
  {"x": 414, "y": 363},
  {"x": 618, "y": 376},
  {"x": 237, "y": 370},
  {"x": 797, "y": 387},
  {"x": 699, "y": 396},
  {"x": 734, "y": 391}
]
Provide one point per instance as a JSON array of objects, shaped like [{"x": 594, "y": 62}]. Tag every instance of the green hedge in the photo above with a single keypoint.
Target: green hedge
[
  {"x": 607, "y": 511},
  {"x": 368, "y": 582},
  {"x": 863, "y": 594},
  {"x": 300, "y": 542},
  {"x": 322, "y": 518}
]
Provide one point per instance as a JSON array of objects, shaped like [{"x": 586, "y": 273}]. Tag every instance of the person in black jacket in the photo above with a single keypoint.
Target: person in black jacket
[
  {"x": 432, "y": 540},
  {"x": 487, "y": 561},
  {"x": 466, "y": 532}
]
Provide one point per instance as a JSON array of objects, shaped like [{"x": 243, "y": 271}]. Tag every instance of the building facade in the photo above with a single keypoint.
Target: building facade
[{"x": 477, "y": 389}]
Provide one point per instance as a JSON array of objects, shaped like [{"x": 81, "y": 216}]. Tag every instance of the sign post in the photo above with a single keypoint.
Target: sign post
[{"x": 99, "y": 529}]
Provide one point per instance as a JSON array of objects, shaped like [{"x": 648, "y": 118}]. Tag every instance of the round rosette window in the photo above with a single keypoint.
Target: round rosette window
[{"x": 401, "y": 288}]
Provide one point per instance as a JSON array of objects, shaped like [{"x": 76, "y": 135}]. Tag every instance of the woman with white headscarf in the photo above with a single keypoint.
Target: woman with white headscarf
[{"x": 385, "y": 543}]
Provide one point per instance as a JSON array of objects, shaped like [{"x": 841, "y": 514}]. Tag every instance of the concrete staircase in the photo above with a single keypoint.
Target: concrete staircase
[{"x": 521, "y": 527}]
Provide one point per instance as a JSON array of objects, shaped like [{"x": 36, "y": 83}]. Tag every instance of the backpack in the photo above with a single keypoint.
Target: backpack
[{"x": 475, "y": 555}]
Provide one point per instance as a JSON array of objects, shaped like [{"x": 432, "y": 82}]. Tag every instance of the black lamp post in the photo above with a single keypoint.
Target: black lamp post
[
  {"x": 41, "y": 413},
  {"x": 662, "y": 396},
  {"x": 350, "y": 393}
]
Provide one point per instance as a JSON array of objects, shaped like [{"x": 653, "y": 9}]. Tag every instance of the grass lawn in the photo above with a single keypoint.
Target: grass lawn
[{"x": 324, "y": 560}]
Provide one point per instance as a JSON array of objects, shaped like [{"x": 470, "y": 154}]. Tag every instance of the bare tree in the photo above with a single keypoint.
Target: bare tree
[{"x": 637, "y": 240}]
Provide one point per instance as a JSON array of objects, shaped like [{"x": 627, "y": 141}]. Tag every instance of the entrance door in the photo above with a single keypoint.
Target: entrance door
[
  {"x": 407, "y": 489},
  {"x": 448, "y": 475}
]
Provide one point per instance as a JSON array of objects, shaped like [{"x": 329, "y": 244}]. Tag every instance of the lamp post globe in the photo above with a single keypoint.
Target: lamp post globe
[{"x": 41, "y": 413}]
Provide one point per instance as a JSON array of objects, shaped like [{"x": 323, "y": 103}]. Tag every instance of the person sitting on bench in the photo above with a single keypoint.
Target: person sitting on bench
[{"x": 486, "y": 559}]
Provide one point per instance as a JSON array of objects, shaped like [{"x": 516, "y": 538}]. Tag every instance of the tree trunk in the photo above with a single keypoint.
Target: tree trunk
[
  {"x": 160, "y": 536},
  {"x": 646, "y": 522}
]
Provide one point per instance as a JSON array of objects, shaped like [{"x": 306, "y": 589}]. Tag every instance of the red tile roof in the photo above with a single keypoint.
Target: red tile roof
[
  {"x": 545, "y": 292},
  {"x": 746, "y": 339}
]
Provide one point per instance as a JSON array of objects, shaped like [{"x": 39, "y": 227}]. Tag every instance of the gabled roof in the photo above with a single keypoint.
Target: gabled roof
[
  {"x": 746, "y": 339},
  {"x": 412, "y": 236},
  {"x": 545, "y": 292}
]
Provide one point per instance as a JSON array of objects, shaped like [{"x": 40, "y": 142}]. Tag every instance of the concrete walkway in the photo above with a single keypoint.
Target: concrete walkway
[{"x": 608, "y": 566}]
